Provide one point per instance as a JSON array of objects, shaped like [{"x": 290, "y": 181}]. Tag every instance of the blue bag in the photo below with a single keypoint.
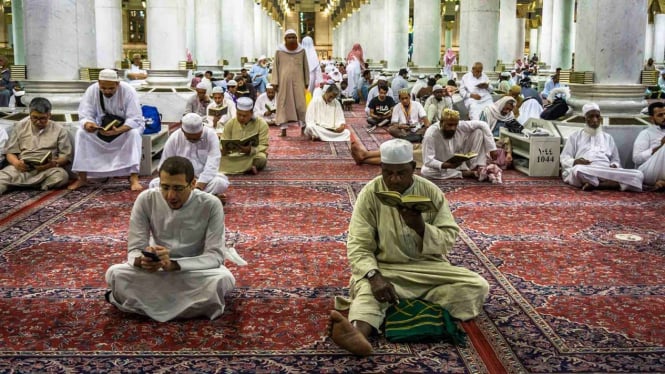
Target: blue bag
[{"x": 153, "y": 119}]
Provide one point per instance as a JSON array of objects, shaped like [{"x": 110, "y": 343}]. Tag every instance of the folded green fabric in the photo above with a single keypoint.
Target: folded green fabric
[{"x": 418, "y": 321}]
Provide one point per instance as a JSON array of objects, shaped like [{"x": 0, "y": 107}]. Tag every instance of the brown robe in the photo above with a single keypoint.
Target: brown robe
[{"x": 291, "y": 73}]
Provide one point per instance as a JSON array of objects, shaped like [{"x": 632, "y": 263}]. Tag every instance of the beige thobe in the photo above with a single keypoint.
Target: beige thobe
[
  {"x": 290, "y": 72},
  {"x": 258, "y": 156}
]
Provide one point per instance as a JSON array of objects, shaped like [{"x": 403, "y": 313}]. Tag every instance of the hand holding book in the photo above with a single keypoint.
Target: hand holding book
[
  {"x": 415, "y": 202},
  {"x": 459, "y": 158}
]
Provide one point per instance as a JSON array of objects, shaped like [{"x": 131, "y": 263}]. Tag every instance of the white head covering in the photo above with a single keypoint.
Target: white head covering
[
  {"x": 262, "y": 57},
  {"x": 310, "y": 51},
  {"x": 421, "y": 76},
  {"x": 108, "y": 75},
  {"x": 244, "y": 103},
  {"x": 396, "y": 151},
  {"x": 382, "y": 78},
  {"x": 589, "y": 107},
  {"x": 232, "y": 82},
  {"x": 290, "y": 31},
  {"x": 192, "y": 123},
  {"x": 437, "y": 87},
  {"x": 201, "y": 86},
  {"x": 216, "y": 89},
  {"x": 269, "y": 86}
]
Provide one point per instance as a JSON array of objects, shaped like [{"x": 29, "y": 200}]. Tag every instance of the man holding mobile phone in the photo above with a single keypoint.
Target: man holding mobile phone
[{"x": 176, "y": 238}]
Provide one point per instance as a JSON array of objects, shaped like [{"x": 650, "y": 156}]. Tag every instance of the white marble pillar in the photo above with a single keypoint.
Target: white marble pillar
[
  {"x": 230, "y": 39},
  {"x": 520, "y": 36},
  {"x": 545, "y": 42},
  {"x": 259, "y": 29},
  {"x": 508, "y": 49},
  {"x": 659, "y": 38},
  {"x": 426, "y": 33},
  {"x": 533, "y": 41},
  {"x": 207, "y": 29},
  {"x": 248, "y": 39},
  {"x": 479, "y": 29},
  {"x": 396, "y": 39},
  {"x": 108, "y": 29},
  {"x": 165, "y": 24},
  {"x": 562, "y": 34},
  {"x": 449, "y": 39},
  {"x": 601, "y": 48},
  {"x": 190, "y": 27},
  {"x": 376, "y": 10},
  {"x": 17, "y": 32},
  {"x": 648, "y": 41}
]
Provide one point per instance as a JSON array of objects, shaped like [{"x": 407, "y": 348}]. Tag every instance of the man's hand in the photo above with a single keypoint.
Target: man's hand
[
  {"x": 413, "y": 219},
  {"x": 475, "y": 96},
  {"x": 90, "y": 127},
  {"x": 22, "y": 166},
  {"x": 581, "y": 161},
  {"x": 147, "y": 264},
  {"x": 340, "y": 129},
  {"x": 483, "y": 86},
  {"x": 48, "y": 165},
  {"x": 451, "y": 165},
  {"x": 246, "y": 149},
  {"x": 383, "y": 291}
]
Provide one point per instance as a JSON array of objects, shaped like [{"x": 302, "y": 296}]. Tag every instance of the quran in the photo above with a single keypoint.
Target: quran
[
  {"x": 269, "y": 108},
  {"x": 112, "y": 124},
  {"x": 234, "y": 145},
  {"x": 218, "y": 112},
  {"x": 33, "y": 161},
  {"x": 395, "y": 199},
  {"x": 461, "y": 157}
]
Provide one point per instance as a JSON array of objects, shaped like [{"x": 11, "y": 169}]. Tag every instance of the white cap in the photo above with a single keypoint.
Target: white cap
[
  {"x": 108, "y": 75},
  {"x": 262, "y": 57},
  {"x": 192, "y": 123},
  {"x": 290, "y": 31},
  {"x": 589, "y": 107},
  {"x": 201, "y": 86},
  {"x": 505, "y": 74},
  {"x": 382, "y": 78},
  {"x": 232, "y": 82},
  {"x": 244, "y": 103},
  {"x": 269, "y": 86},
  {"x": 437, "y": 87},
  {"x": 216, "y": 89},
  {"x": 421, "y": 76},
  {"x": 396, "y": 151}
]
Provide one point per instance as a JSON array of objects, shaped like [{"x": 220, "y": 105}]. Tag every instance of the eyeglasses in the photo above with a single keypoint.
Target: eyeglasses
[
  {"x": 39, "y": 118},
  {"x": 167, "y": 188}
]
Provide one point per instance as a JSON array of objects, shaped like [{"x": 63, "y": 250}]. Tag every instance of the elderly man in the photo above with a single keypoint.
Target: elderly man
[
  {"x": 200, "y": 145},
  {"x": 199, "y": 102},
  {"x": 552, "y": 83},
  {"x": 259, "y": 74},
  {"x": 135, "y": 75},
  {"x": 374, "y": 91},
  {"x": 266, "y": 106},
  {"x": 32, "y": 139},
  {"x": 648, "y": 150},
  {"x": 176, "y": 251},
  {"x": 450, "y": 136},
  {"x": 250, "y": 158},
  {"x": 290, "y": 78},
  {"x": 114, "y": 152},
  {"x": 400, "y": 83},
  {"x": 437, "y": 102},
  {"x": 325, "y": 118},
  {"x": 590, "y": 158},
  {"x": 475, "y": 89},
  {"x": 409, "y": 120},
  {"x": 400, "y": 253}
]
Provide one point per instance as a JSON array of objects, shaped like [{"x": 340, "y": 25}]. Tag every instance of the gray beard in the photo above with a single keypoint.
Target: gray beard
[{"x": 591, "y": 131}]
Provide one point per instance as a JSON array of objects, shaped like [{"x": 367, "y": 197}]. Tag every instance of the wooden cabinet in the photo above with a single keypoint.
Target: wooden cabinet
[
  {"x": 151, "y": 150},
  {"x": 541, "y": 153}
]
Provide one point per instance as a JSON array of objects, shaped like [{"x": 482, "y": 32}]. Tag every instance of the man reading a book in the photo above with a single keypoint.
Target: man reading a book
[
  {"x": 37, "y": 151},
  {"x": 449, "y": 137},
  {"x": 198, "y": 103},
  {"x": 266, "y": 105},
  {"x": 248, "y": 158},
  {"x": 220, "y": 109},
  {"x": 409, "y": 120},
  {"x": 380, "y": 108},
  {"x": 400, "y": 253}
]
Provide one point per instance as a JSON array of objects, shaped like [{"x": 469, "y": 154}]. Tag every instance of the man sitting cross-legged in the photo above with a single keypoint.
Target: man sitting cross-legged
[
  {"x": 324, "y": 119},
  {"x": 648, "y": 150},
  {"x": 380, "y": 108},
  {"x": 250, "y": 158},
  {"x": 400, "y": 253},
  {"x": 409, "y": 120}
]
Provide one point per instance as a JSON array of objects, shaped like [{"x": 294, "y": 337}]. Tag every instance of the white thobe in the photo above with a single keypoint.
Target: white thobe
[
  {"x": 204, "y": 155},
  {"x": 374, "y": 92},
  {"x": 120, "y": 157},
  {"x": 434, "y": 107},
  {"x": 601, "y": 151},
  {"x": 420, "y": 83},
  {"x": 231, "y": 104},
  {"x": 136, "y": 83},
  {"x": 398, "y": 84},
  {"x": 411, "y": 117},
  {"x": 468, "y": 86},
  {"x": 651, "y": 165},
  {"x": 353, "y": 69},
  {"x": 194, "y": 235},
  {"x": 208, "y": 83},
  {"x": 230, "y": 110},
  {"x": 471, "y": 136},
  {"x": 3, "y": 141},
  {"x": 260, "y": 108},
  {"x": 530, "y": 109},
  {"x": 322, "y": 118}
]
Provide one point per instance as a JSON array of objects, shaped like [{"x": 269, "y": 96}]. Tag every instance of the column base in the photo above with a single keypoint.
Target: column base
[
  {"x": 63, "y": 95},
  {"x": 613, "y": 99},
  {"x": 168, "y": 78}
]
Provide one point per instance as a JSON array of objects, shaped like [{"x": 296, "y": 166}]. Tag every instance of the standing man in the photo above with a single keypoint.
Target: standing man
[
  {"x": 290, "y": 78},
  {"x": 475, "y": 89},
  {"x": 183, "y": 228},
  {"x": 400, "y": 253},
  {"x": 251, "y": 158},
  {"x": 109, "y": 153},
  {"x": 590, "y": 158},
  {"x": 33, "y": 138},
  {"x": 648, "y": 150}
]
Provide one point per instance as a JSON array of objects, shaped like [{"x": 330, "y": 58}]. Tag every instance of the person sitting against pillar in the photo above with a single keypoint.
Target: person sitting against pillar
[
  {"x": 399, "y": 83},
  {"x": 437, "y": 102},
  {"x": 476, "y": 90},
  {"x": 135, "y": 75},
  {"x": 648, "y": 150},
  {"x": 380, "y": 108},
  {"x": 115, "y": 152},
  {"x": 219, "y": 101},
  {"x": 400, "y": 253},
  {"x": 250, "y": 158},
  {"x": 649, "y": 66},
  {"x": 175, "y": 251},
  {"x": 325, "y": 118},
  {"x": 37, "y": 150},
  {"x": 450, "y": 136},
  {"x": 590, "y": 158},
  {"x": 420, "y": 83},
  {"x": 259, "y": 75},
  {"x": 199, "y": 102},
  {"x": 499, "y": 113},
  {"x": 266, "y": 106},
  {"x": 374, "y": 91},
  {"x": 362, "y": 87},
  {"x": 551, "y": 84},
  {"x": 409, "y": 120},
  {"x": 207, "y": 81},
  {"x": 200, "y": 145}
]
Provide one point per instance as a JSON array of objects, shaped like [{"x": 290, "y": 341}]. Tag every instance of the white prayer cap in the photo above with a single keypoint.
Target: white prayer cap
[
  {"x": 505, "y": 74},
  {"x": 513, "y": 71},
  {"x": 201, "y": 86},
  {"x": 216, "y": 89},
  {"x": 192, "y": 123},
  {"x": 437, "y": 87},
  {"x": 382, "y": 78},
  {"x": 262, "y": 57},
  {"x": 290, "y": 31},
  {"x": 396, "y": 151},
  {"x": 269, "y": 86},
  {"x": 108, "y": 75},
  {"x": 421, "y": 76},
  {"x": 589, "y": 107},
  {"x": 232, "y": 82},
  {"x": 244, "y": 103}
]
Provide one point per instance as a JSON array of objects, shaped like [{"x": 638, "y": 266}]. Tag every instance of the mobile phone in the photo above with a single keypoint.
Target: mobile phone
[{"x": 150, "y": 255}]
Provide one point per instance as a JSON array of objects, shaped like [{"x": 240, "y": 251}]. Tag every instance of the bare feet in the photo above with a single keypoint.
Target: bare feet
[
  {"x": 587, "y": 187},
  {"x": 134, "y": 183},
  {"x": 342, "y": 332},
  {"x": 358, "y": 152},
  {"x": 253, "y": 170},
  {"x": 470, "y": 174},
  {"x": 659, "y": 186},
  {"x": 223, "y": 198},
  {"x": 77, "y": 184}
]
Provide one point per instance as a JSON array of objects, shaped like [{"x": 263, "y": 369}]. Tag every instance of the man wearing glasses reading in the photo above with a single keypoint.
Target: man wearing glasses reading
[
  {"x": 37, "y": 151},
  {"x": 176, "y": 238}
]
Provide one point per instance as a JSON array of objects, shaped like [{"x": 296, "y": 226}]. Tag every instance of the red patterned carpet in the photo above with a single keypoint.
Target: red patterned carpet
[{"x": 569, "y": 293}]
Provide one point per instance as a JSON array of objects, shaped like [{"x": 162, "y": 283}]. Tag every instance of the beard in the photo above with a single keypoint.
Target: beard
[
  {"x": 291, "y": 46},
  {"x": 591, "y": 131},
  {"x": 448, "y": 134}
]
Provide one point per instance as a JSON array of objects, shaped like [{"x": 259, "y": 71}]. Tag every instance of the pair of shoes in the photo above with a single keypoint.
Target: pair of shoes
[
  {"x": 371, "y": 129},
  {"x": 283, "y": 133}
]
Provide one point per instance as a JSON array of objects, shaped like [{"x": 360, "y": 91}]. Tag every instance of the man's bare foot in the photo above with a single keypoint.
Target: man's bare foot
[
  {"x": 470, "y": 174},
  {"x": 342, "y": 332},
  {"x": 358, "y": 152},
  {"x": 134, "y": 183},
  {"x": 659, "y": 186},
  {"x": 587, "y": 187},
  {"x": 77, "y": 184},
  {"x": 223, "y": 198},
  {"x": 253, "y": 170}
]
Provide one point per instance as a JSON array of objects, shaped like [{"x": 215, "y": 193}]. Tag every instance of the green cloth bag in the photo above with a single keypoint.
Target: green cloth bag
[{"x": 418, "y": 321}]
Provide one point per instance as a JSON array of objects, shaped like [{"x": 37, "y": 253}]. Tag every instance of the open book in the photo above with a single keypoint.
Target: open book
[
  {"x": 112, "y": 124},
  {"x": 461, "y": 157},
  {"x": 36, "y": 160},
  {"x": 233, "y": 145},
  {"x": 269, "y": 108},
  {"x": 416, "y": 202},
  {"x": 218, "y": 112}
]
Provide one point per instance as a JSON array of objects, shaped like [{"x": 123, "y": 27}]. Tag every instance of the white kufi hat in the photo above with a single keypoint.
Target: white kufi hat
[
  {"x": 589, "y": 107},
  {"x": 108, "y": 75},
  {"x": 244, "y": 103},
  {"x": 192, "y": 123},
  {"x": 396, "y": 151}
]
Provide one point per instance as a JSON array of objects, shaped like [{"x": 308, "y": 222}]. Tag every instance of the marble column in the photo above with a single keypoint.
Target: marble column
[
  {"x": 165, "y": 24},
  {"x": 601, "y": 47},
  {"x": 533, "y": 41},
  {"x": 426, "y": 33},
  {"x": 190, "y": 28},
  {"x": 508, "y": 50},
  {"x": 648, "y": 41},
  {"x": 259, "y": 30},
  {"x": 545, "y": 42},
  {"x": 396, "y": 37},
  {"x": 231, "y": 47},
  {"x": 562, "y": 34},
  {"x": 17, "y": 32},
  {"x": 479, "y": 29},
  {"x": 108, "y": 29},
  {"x": 376, "y": 10},
  {"x": 207, "y": 29},
  {"x": 520, "y": 36},
  {"x": 659, "y": 37},
  {"x": 248, "y": 40},
  {"x": 449, "y": 38}
]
